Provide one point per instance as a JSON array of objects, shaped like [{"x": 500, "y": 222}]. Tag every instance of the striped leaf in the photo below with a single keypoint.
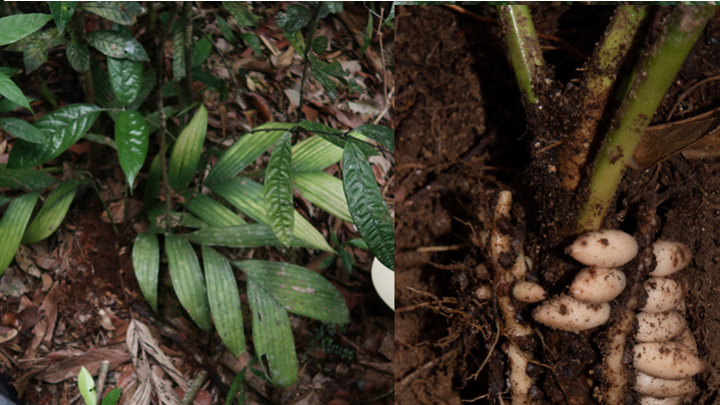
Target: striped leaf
[
  {"x": 248, "y": 148},
  {"x": 278, "y": 190},
  {"x": 299, "y": 290},
  {"x": 224, "y": 299},
  {"x": 247, "y": 196},
  {"x": 240, "y": 236},
  {"x": 315, "y": 154},
  {"x": 12, "y": 226},
  {"x": 325, "y": 191},
  {"x": 186, "y": 153},
  {"x": 51, "y": 214},
  {"x": 272, "y": 337},
  {"x": 146, "y": 264},
  {"x": 187, "y": 279},
  {"x": 211, "y": 211},
  {"x": 368, "y": 209}
]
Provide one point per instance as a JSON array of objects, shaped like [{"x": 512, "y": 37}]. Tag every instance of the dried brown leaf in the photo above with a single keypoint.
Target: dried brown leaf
[{"x": 91, "y": 360}]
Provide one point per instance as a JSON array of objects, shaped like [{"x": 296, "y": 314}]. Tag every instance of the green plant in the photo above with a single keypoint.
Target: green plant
[
  {"x": 86, "y": 385},
  {"x": 175, "y": 206}
]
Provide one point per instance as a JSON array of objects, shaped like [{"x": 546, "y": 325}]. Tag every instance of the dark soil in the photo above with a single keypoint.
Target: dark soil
[{"x": 461, "y": 137}]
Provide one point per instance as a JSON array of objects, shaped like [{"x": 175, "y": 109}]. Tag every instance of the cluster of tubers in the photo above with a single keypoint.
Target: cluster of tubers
[{"x": 665, "y": 355}]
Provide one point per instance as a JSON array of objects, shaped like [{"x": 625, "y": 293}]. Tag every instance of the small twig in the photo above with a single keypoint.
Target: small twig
[
  {"x": 686, "y": 93},
  {"x": 490, "y": 352},
  {"x": 104, "y": 368},
  {"x": 402, "y": 385},
  {"x": 195, "y": 385},
  {"x": 311, "y": 36},
  {"x": 227, "y": 66},
  {"x": 425, "y": 249}
]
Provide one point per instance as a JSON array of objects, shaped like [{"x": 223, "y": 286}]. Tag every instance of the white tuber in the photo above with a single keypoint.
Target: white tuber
[
  {"x": 661, "y": 401},
  {"x": 526, "y": 291},
  {"x": 484, "y": 292},
  {"x": 659, "y": 327},
  {"x": 667, "y": 360},
  {"x": 670, "y": 257},
  {"x": 688, "y": 340},
  {"x": 566, "y": 313},
  {"x": 663, "y": 293},
  {"x": 607, "y": 248},
  {"x": 662, "y": 388},
  {"x": 595, "y": 285},
  {"x": 521, "y": 382}
]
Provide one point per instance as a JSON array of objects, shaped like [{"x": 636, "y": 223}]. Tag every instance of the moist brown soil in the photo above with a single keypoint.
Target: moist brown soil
[{"x": 461, "y": 137}]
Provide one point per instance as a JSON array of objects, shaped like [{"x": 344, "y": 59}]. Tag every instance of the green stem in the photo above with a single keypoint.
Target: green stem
[
  {"x": 311, "y": 36},
  {"x": 599, "y": 81},
  {"x": 523, "y": 47},
  {"x": 655, "y": 74}
]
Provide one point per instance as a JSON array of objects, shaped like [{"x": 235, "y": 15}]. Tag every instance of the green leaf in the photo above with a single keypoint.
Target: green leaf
[
  {"x": 187, "y": 279},
  {"x": 247, "y": 196},
  {"x": 101, "y": 139},
  {"x": 62, "y": 11},
  {"x": 201, "y": 51},
  {"x": 368, "y": 209},
  {"x": 357, "y": 242},
  {"x": 272, "y": 337},
  {"x": 23, "y": 130},
  {"x": 178, "y": 54},
  {"x": 186, "y": 153},
  {"x": 17, "y": 27},
  {"x": 319, "y": 44},
  {"x": 248, "y": 148},
  {"x": 146, "y": 264},
  {"x": 24, "y": 178},
  {"x": 117, "y": 45},
  {"x": 112, "y": 397},
  {"x": 337, "y": 137},
  {"x": 78, "y": 56},
  {"x": 132, "y": 138},
  {"x": 148, "y": 84},
  {"x": 253, "y": 42},
  {"x": 63, "y": 127},
  {"x": 367, "y": 36},
  {"x": 334, "y": 6},
  {"x": 242, "y": 15},
  {"x": 156, "y": 216},
  {"x": 240, "y": 236},
  {"x": 51, "y": 214},
  {"x": 4, "y": 200},
  {"x": 34, "y": 56},
  {"x": 225, "y": 29},
  {"x": 383, "y": 135},
  {"x": 121, "y": 12},
  {"x": 12, "y": 226},
  {"x": 315, "y": 154},
  {"x": 104, "y": 94},
  {"x": 237, "y": 386},
  {"x": 7, "y": 105},
  {"x": 325, "y": 191},
  {"x": 347, "y": 261},
  {"x": 224, "y": 299},
  {"x": 9, "y": 71},
  {"x": 278, "y": 190},
  {"x": 12, "y": 92},
  {"x": 299, "y": 290},
  {"x": 126, "y": 78},
  {"x": 86, "y": 386},
  {"x": 211, "y": 211},
  {"x": 152, "y": 184},
  {"x": 296, "y": 40},
  {"x": 294, "y": 17}
]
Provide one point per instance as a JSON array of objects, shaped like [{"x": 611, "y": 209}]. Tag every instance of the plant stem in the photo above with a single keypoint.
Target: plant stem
[
  {"x": 311, "y": 36},
  {"x": 599, "y": 81},
  {"x": 161, "y": 113},
  {"x": 197, "y": 382},
  {"x": 523, "y": 47},
  {"x": 654, "y": 76}
]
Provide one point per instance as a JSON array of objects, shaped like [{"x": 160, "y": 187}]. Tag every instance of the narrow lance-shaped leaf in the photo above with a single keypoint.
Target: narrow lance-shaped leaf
[
  {"x": 126, "y": 78},
  {"x": 12, "y": 226},
  {"x": 246, "y": 150},
  {"x": 272, "y": 336},
  {"x": 278, "y": 190},
  {"x": 51, "y": 215},
  {"x": 186, "y": 153},
  {"x": 17, "y": 27},
  {"x": 224, "y": 300},
  {"x": 63, "y": 128},
  {"x": 187, "y": 279},
  {"x": 24, "y": 178},
  {"x": 315, "y": 154},
  {"x": 121, "y": 12},
  {"x": 367, "y": 207},
  {"x": 299, "y": 290},
  {"x": 23, "y": 130},
  {"x": 146, "y": 264},
  {"x": 325, "y": 191},
  {"x": 201, "y": 51},
  {"x": 132, "y": 138},
  {"x": 211, "y": 211},
  {"x": 240, "y": 236},
  {"x": 62, "y": 11},
  {"x": 12, "y": 92}
]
